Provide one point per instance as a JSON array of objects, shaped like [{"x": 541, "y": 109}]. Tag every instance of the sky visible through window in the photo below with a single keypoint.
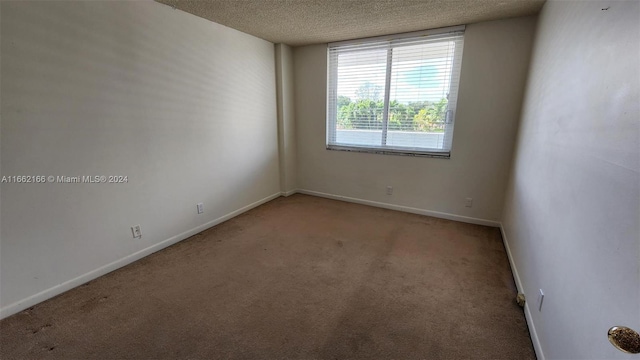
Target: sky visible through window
[{"x": 419, "y": 73}]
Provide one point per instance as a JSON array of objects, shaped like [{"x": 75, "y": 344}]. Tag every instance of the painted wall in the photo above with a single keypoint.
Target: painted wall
[
  {"x": 184, "y": 107},
  {"x": 572, "y": 209},
  {"x": 494, "y": 69},
  {"x": 286, "y": 119}
]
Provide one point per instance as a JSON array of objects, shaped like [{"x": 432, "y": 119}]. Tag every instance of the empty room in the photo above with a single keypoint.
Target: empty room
[{"x": 320, "y": 179}]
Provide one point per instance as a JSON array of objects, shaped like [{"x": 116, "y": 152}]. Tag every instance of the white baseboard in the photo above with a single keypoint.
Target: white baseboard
[
  {"x": 514, "y": 269},
  {"x": 527, "y": 311},
  {"x": 91, "y": 275},
  {"x": 288, "y": 193},
  {"x": 532, "y": 331},
  {"x": 408, "y": 209}
]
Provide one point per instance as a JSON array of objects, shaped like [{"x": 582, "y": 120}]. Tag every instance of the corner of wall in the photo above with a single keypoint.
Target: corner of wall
[{"x": 287, "y": 147}]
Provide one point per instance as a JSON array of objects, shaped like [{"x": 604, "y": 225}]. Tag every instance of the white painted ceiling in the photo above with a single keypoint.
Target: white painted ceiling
[{"x": 303, "y": 22}]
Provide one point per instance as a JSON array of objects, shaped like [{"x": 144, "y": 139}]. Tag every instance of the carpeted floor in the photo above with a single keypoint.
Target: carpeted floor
[{"x": 297, "y": 278}]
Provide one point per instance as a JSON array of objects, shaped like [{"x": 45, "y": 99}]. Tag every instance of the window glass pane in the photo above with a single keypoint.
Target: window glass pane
[
  {"x": 360, "y": 103},
  {"x": 420, "y": 81},
  {"x": 394, "y": 94}
]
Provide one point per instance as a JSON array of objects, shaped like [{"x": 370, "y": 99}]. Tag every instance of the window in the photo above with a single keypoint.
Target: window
[{"x": 395, "y": 94}]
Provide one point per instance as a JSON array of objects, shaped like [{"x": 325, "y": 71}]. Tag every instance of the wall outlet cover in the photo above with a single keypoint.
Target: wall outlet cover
[
  {"x": 136, "y": 231},
  {"x": 540, "y": 299}
]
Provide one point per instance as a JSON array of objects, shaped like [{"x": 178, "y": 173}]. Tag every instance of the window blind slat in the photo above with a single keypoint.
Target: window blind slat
[{"x": 394, "y": 94}]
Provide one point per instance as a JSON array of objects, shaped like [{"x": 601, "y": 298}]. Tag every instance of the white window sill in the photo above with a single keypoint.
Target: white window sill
[{"x": 392, "y": 151}]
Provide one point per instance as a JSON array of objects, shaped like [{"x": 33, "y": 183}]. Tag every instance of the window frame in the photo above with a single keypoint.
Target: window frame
[{"x": 394, "y": 41}]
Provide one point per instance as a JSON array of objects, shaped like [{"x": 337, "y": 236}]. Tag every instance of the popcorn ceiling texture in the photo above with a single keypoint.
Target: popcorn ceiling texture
[{"x": 304, "y": 22}]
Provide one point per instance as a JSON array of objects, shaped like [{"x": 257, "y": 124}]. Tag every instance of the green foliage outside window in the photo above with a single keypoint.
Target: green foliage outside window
[{"x": 367, "y": 114}]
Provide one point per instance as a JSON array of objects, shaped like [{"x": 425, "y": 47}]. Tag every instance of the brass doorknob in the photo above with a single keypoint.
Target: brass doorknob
[{"x": 625, "y": 339}]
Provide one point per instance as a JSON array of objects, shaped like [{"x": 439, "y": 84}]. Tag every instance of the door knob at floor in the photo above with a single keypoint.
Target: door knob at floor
[{"x": 625, "y": 339}]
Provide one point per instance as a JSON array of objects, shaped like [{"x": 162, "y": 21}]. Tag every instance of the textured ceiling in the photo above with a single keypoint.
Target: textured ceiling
[{"x": 303, "y": 22}]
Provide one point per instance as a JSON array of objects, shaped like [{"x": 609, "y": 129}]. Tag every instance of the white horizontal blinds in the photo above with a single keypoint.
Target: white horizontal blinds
[
  {"x": 360, "y": 93},
  {"x": 332, "y": 94},
  {"x": 421, "y": 86},
  {"x": 394, "y": 93},
  {"x": 453, "y": 92}
]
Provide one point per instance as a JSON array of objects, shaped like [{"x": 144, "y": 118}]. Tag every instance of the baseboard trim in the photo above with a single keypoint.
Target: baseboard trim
[
  {"x": 408, "y": 209},
  {"x": 537, "y": 346},
  {"x": 514, "y": 269},
  {"x": 288, "y": 193},
  {"x": 32, "y": 300},
  {"x": 532, "y": 331}
]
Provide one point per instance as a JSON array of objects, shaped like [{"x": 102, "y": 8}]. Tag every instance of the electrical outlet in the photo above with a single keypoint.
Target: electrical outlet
[
  {"x": 136, "y": 231},
  {"x": 468, "y": 202},
  {"x": 389, "y": 190},
  {"x": 200, "y": 207},
  {"x": 540, "y": 299}
]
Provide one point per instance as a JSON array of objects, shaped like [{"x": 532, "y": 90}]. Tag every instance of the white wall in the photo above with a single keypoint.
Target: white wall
[
  {"x": 184, "y": 107},
  {"x": 286, "y": 119},
  {"x": 494, "y": 69},
  {"x": 572, "y": 210}
]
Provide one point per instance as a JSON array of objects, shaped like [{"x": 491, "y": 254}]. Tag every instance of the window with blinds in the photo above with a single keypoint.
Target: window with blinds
[{"x": 395, "y": 94}]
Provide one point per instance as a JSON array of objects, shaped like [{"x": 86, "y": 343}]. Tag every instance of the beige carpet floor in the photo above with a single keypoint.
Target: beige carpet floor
[{"x": 297, "y": 278}]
